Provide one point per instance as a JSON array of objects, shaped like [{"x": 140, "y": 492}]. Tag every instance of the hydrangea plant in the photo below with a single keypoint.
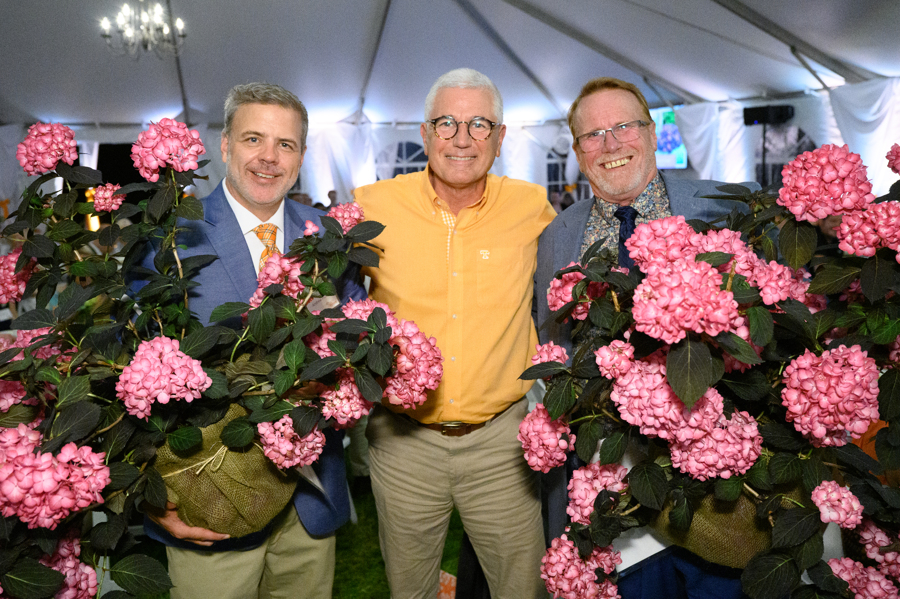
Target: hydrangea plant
[{"x": 735, "y": 365}]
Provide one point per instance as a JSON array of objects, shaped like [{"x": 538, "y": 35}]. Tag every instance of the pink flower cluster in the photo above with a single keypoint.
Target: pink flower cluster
[
  {"x": 278, "y": 270},
  {"x": 560, "y": 293},
  {"x": 105, "y": 198},
  {"x": 873, "y": 539},
  {"x": 865, "y": 582},
  {"x": 362, "y": 309},
  {"x": 311, "y": 229},
  {"x": 160, "y": 372},
  {"x": 81, "y": 579},
  {"x": 837, "y": 504},
  {"x": 587, "y": 482},
  {"x": 828, "y": 180},
  {"x": 549, "y": 352},
  {"x": 863, "y": 232},
  {"x": 893, "y": 158},
  {"x": 567, "y": 576},
  {"x": 545, "y": 441},
  {"x": 41, "y": 488},
  {"x": 349, "y": 215},
  {"x": 282, "y": 444},
  {"x": 166, "y": 143},
  {"x": 12, "y": 283},
  {"x": 703, "y": 442},
  {"x": 418, "y": 367},
  {"x": 615, "y": 360},
  {"x": 44, "y": 146},
  {"x": 345, "y": 403},
  {"x": 831, "y": 397}
]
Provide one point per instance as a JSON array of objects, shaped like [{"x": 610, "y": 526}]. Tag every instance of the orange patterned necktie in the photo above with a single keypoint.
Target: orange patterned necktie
[{"x": 267, "y": 233}]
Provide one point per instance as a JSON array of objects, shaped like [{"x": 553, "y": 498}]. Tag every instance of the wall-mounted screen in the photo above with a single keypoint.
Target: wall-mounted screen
[{"x": 670, "y": 150}]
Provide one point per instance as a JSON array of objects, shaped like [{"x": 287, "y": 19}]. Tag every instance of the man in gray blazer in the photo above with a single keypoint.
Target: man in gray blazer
[
  {"x": 263, "y": 144},
  {"x": 615, "y": 141}
]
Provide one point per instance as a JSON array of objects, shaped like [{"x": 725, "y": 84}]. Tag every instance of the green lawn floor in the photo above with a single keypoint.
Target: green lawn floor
[{"x": 359, "y": 573}]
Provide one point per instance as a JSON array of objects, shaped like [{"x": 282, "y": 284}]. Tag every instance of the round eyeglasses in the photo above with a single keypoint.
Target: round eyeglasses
[
  {"x": 446, "y": 127},
  {"x": 629, "y": 131}
]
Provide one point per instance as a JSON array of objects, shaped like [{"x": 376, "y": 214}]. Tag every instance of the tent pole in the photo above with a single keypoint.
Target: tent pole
[
  {"x": 809, "y": 68},
  {"x": 365, "y": 85}
]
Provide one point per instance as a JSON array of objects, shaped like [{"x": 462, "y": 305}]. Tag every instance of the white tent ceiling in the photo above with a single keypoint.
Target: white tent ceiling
[{"x": 54, "y": 65}]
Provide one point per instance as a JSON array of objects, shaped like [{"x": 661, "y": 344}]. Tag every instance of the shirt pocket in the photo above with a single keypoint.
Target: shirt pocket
[{"x": 500, "y": 277}]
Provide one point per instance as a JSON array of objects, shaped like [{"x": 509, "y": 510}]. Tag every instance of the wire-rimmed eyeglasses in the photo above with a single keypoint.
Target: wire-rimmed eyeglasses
[
  {"x": 625, "y": 132},
  {"x": 446, "y": 127}
]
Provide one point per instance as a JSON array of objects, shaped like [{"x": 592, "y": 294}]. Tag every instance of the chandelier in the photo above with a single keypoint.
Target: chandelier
[{"x": 144, "y": 29}]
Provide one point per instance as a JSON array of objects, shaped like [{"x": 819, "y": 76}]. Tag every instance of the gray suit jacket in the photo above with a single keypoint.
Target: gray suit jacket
[{"x": 560, "y": 245}]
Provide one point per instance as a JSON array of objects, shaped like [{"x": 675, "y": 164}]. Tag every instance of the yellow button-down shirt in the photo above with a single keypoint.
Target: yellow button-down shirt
[{"x": 465, "y": 280}]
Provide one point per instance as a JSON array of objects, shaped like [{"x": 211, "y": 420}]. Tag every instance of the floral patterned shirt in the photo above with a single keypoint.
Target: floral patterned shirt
[{"x": 653, "y": 203}]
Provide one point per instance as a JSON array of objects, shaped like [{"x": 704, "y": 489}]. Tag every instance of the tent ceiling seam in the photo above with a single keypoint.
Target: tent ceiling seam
[
  {"x": 850, "y": 73},
  {"x": 498, "y": 40},
  {"x": 365, "y": 86},
  {"x": 586, "y": 40}
]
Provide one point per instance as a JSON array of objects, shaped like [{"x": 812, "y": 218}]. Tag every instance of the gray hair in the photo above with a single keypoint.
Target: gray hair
[
  {"x": 264, "y": 93},
  {"x": 465, "y": 79}
]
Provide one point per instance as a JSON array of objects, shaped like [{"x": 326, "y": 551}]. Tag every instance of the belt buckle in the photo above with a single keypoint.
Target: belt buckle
[{"x": 447, "y": 428}]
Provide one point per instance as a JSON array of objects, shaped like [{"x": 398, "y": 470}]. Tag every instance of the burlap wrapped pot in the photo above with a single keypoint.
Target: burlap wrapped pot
[
  {"x": 725, "y": 533},
  {"x": 231, "y": 492}
]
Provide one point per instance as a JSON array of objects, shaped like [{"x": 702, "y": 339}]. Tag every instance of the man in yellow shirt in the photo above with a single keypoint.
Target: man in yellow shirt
[{"x": 459, "y": 259}]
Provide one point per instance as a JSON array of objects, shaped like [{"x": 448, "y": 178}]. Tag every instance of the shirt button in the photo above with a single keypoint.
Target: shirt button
[
  {"x": 451, "y": 401},
  {"x": 454, "y": 316},
  {"x": 453, "y": 358},
  {"x": 454, "y": 274}
]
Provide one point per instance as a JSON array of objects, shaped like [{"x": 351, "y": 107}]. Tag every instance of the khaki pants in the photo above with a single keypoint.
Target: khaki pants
[
  {"x": 419, "y": 475},
  {"x": 289, "y": 564}
]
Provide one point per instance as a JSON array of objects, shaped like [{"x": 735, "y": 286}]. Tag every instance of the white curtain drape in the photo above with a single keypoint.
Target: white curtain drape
[
  {"x": 868, "y": 115},
  {"x": 12, "y": 178},
  {"x": 718, "y": 144},
  {"x": 339, "y": 157}
]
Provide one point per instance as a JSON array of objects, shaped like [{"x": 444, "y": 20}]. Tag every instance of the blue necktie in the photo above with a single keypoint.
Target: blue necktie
[{"x": 626, "y": 214}]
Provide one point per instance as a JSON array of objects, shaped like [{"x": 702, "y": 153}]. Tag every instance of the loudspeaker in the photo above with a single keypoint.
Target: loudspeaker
[{"x": 768, "y": 115}]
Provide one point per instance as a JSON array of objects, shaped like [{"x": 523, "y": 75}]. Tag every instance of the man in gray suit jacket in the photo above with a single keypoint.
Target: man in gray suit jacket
[
  {"x": 263, "y": 144},
  {"x": 615, "y": 141}
]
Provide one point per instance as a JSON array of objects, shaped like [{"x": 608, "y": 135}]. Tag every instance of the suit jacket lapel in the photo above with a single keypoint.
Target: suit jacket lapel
[
  {"x": 683, "y": 197},
  {"x": 227, "y": 239},
  {"x": 575, "y": 223}
]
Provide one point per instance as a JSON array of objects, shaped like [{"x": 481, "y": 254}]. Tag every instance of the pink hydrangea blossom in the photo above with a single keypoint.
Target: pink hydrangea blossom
[
  {"x": 560, "y": 293},
  {"x": 319, "y": 343},
  {"x": 865, "y": 581},
  {"x": 12, "y": 283},
  {"x": 281, "y": 271},
  {"x": 41, "y": 489},
  {"x": 587, "y": 482},
  {"x": 837, "y": 504},
  {"x": 615, "y": 360},
  {"x": 567, "y": 576},
  {"x": 831, "y": 397},
  {"x": 873, "y": 539},
  {"x": 418, "y": 366},
  {"x": 81, "y": 579},
  {"x": 544, "y": 441},
  {"x": 362, "y": 309},
  {"x": 661, "y": 241},
  {"x": 862, "y": 233},
  {"x": 549, "y": 352},
  {"x": 349, "y": 215},
  {"x": 282, "y": 444},
  {"x": 311, "y": 229},
  {"x": 646, "y": 400},
  {"x": 105, "y": 198},
  {"x": 344, "y": 402},
  {"x": 893, "y": 158},
  {"x": 731, "y": 448},
  {"x": 682, "y": 296},
  {"x": 45, "y": 145},
  {"x": 158, "y": 373},
  {"x": 828, "y": 180},
  {"x": 167, "y": 143}
]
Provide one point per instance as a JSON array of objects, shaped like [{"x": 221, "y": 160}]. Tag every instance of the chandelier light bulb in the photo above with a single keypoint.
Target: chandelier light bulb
[{"x": 143, "y": 28}]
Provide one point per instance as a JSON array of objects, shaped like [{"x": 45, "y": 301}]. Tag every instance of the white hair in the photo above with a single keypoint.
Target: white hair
[{"x": 464, "y": 79}]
